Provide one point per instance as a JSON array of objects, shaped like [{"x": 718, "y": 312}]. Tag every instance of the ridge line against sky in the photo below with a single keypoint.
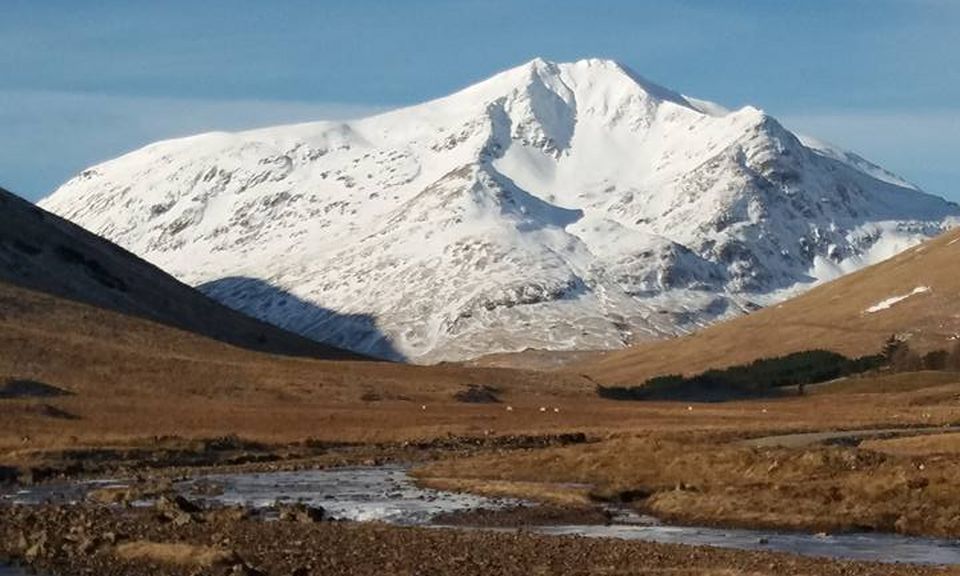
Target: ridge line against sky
[{"x": 81, "y": 83}]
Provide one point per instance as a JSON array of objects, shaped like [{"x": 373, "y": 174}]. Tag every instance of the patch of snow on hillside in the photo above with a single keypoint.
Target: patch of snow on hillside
[{"x": 890, "y": 302}]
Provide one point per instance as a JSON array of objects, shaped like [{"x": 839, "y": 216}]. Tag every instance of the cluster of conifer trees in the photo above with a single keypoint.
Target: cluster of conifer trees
[{"x": 767, "y": 375}]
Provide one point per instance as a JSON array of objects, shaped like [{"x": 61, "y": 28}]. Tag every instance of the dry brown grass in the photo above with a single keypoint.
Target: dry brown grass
[
  {"x": 816, "y": 488},
  {"x": 830, "y": 316},
  {"x": 133, "y": 380},
  {"x": 127, "y": 394},
  {"x": 887, "y": 383},
  {"x": 939, "y": 445},
  {"x": 176, "y": 553},
  {"x": 906, "y": 485},
  {"x": 565, "y": 495}
]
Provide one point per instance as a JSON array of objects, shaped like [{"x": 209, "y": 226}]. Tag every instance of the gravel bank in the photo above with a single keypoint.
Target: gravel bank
[{"x": 96, "y": 540}]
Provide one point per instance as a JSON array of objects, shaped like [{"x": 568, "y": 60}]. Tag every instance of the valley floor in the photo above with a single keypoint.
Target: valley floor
[
  {"x": 696, "y": 464},
  {"x": 89, "y": 393}
]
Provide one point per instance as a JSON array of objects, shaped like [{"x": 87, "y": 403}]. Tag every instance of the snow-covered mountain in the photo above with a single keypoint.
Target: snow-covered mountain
[{"x": 552, "y": 206}]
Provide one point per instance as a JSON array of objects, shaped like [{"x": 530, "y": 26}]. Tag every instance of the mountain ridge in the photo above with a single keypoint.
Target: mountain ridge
[{"x": 558, "y": 206}]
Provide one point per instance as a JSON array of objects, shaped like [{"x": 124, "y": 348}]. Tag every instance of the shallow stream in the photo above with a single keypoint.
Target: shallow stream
[{"x": 388, "y": 494}]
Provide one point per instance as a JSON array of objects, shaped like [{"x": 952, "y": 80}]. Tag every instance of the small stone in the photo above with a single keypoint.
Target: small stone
[{"x": 301, "y": 513}]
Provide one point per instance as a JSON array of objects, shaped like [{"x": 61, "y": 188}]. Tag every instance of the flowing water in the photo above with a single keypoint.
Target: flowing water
[
  {"x": 388, "y": 494},
  {"x": 384, "y": 493},
  {"x": 867, "y": 547}
]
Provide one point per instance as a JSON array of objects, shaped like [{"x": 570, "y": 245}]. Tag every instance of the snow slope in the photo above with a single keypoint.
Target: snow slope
[{"x": 553, "y": 206}]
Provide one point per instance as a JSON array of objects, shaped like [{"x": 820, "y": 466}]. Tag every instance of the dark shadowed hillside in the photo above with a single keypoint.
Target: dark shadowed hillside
[{"x": 43, "y": 252}]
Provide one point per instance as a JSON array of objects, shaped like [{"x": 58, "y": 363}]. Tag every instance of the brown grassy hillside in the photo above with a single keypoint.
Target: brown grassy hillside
[
  {"x": 832, "y": 316},
  {"x": 133, "y": 378}
]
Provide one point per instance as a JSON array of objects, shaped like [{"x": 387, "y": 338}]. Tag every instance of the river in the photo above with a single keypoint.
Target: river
[{"x": 388, "y": 494}]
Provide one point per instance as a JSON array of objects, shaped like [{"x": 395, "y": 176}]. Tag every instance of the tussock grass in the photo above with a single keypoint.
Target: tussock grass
[
  {"x": 175, "y": 553},
  {"x": 691, "y": 479},
  {"x": 565, "y": 495}
]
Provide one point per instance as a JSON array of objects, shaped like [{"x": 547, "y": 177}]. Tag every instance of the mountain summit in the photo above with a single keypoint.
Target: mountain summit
[{"x": 553, "y": 206}]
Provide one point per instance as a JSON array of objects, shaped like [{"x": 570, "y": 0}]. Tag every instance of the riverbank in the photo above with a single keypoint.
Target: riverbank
[
  {"x": 386, "y": 494},
  {"x": 132, "y": 542},
  {"x": 899, "y": 485}
]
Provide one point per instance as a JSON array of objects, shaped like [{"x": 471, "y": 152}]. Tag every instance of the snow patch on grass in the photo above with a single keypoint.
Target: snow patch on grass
[{"x": 889, "y": 302}]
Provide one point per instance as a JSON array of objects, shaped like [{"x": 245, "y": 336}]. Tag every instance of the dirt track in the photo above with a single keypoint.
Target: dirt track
[{"x": 809, "y": 438}]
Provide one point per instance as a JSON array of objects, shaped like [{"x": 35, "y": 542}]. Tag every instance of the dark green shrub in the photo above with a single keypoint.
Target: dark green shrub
[
  {"x": 936, "y": 360},
  {"x": 760, "y": 377}
]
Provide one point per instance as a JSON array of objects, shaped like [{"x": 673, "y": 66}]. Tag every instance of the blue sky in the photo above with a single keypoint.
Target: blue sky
[{"x": 84, "y": 81}]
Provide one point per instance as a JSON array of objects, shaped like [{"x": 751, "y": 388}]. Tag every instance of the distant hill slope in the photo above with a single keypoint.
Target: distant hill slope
[
  {"x": 127, "y": 377},
  {"x": 43, "y": 252},
  {"x": 915, "y": 295}
]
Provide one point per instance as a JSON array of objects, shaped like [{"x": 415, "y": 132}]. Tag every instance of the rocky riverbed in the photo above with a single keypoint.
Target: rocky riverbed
[
  {"x": 187, "y": 523},
  {"x": 84, "y": 539}
]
